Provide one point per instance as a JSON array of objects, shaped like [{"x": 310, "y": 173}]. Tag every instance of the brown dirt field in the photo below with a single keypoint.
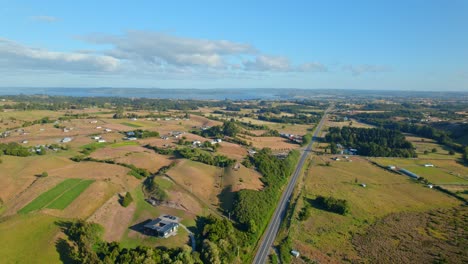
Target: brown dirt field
[
  {"x": 114, "y": 218},
  {"x": 111, "y": 152},
  {"x": 192, "y": 137},
  {"x": 27, "y": 195},
  {"x": 243, "y": 178},
  {"x": 17, "y": 173},
  {"x": 186, "y": 200},
  {"x": 81, "y": 207},
  {"x": 147, "y": 160},
  {"x": 231, "y": 150},
  {"x": 158, "y": 142},
  {"x": 203, "y": 121},
  {"x": 257, "y": 132},
  {"x": 97, "y": 171},
  {"x": 202, "y": 179},
  {"x": 275, "y": 143}
]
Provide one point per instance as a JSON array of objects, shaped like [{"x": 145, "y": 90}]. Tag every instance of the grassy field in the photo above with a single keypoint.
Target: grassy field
[
  {"x": 46, "y": 198},
  {"x": 69, "y": 196},
  {"x": 131, "y": 124},
  {"x": 29, "y": 239},
  {"x": 443, "y": 172},
  {"x": 58, "y": 197},
  {"x": 327, "y": 236}
]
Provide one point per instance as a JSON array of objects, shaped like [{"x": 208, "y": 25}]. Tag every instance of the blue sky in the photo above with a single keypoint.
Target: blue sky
[{"x": 408, "y": 45}]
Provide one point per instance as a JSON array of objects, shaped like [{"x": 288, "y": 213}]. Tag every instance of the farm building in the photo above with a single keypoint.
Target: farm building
[
  {"x": 163, "y": 226},
  {"x": 66, "y": 140},
  {"x": 428, "y": 165},
  {"x": 409, "y": 173},
  {"x": 391, "y": 167}
]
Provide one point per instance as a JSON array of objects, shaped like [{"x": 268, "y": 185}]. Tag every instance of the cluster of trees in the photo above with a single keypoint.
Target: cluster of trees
[
  {"x": 229, "y": 128},
  {"x": 465, "y": 154},
  {"x": 220, "y": 241},
  {"x": 371, "y": 141},
  {"x": 44, "y": 120},
  {"x": 126, "y": 200},
  {"x": 381, "y": 120},
  {"x": 88, "y": 247},
  {"x": 54, "y": 103},
  {"x": 204, "y": 157},
  {"x": 306, "y": 139},
  {"x": 14, "y": 149},
  {"x": 138, "y": 173},
  {"x": 331, "y": 204},
  {"x": 139, "y": 133},
  {"x": 162, "y": 151},
  {"x": 252, "y": 208},
  {"x": 296, "y": 119}
]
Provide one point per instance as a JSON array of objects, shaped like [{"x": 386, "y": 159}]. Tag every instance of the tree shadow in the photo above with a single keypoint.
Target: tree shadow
[
  {"x": 65, "y": 251},
  {"x": 226, "y": 199},
  {"x": 315, "y": 203}
]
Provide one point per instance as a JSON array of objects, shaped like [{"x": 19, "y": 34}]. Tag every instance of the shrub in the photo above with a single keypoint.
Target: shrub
[
  {"x": 44, "y": 174},
  {"x": 331, "y": 204},
  {"x": 126, "y": 200}
]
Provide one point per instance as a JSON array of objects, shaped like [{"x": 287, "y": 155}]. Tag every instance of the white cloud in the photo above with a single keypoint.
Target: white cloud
[
  {"x": 366, "y": 68},
  {"x": 49, "y": 19},
  {"x": 142, "y": 53},
  {"x": 164, "y": 49},
  {"x": 312, "y": 67},
  {"x": 15, "y": 55},
  {"x": 268, "y": 63}
]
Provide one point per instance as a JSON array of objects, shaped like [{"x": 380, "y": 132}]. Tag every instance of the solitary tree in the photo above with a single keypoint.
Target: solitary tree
[
  {"x": 44, "y": 174},
  {"x": 127, "y": 200}
]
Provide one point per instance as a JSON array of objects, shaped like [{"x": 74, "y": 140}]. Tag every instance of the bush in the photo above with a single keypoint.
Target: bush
[
  {"x": 44, "y": 174},
  {"x": 126, "y": 200},
  {"x": 304, "y": 213},
  {"x": 331, "y": 204}
]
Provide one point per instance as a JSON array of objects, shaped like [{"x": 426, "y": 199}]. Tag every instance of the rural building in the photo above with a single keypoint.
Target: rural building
[
  {"x": 409, "y": 173},
  {"x": 196, "y": 143},
  {"x": 295, "y": 253},
  {"x": 108, "y": 130},
  {"x": 428, "y": 165},
  {"x": 391, "y": 167},
  {"x": 363, "y": 185},
  {"x": 101, "y": 140},
  {"x": 96, "y": 137},
  {"x": 163, "y": 226},
  {"x": 24, "y": 142},
  {"x": 66, "y": 140}
]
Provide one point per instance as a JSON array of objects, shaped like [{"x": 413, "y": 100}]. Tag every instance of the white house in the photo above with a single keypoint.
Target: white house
[
  {"x": 96, "y": 137},
  {"x": 66, "y": 140},
  {"x": 108, "y": 130},
  {"x": 428, "y": 165},
  {"x": 101, "y": 140},
  {"x": 391, "y": 167}
]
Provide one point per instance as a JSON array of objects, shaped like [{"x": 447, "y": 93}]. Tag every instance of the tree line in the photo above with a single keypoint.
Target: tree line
[{"x": 376, "y": 142}]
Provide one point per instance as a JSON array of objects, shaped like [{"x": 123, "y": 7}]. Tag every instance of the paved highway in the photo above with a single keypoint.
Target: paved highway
[{"x": 278, "y": 215}]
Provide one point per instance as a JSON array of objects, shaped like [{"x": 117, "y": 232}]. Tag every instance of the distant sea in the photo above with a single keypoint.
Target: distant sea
[{"x": 231, "y": 94}]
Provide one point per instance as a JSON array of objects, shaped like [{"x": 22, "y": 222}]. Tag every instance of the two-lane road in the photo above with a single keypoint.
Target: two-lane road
[{"x": 278, "y": 215}]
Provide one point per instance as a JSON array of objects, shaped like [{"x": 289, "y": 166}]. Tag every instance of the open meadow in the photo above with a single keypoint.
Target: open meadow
[{"x": 327, "y": 236}]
